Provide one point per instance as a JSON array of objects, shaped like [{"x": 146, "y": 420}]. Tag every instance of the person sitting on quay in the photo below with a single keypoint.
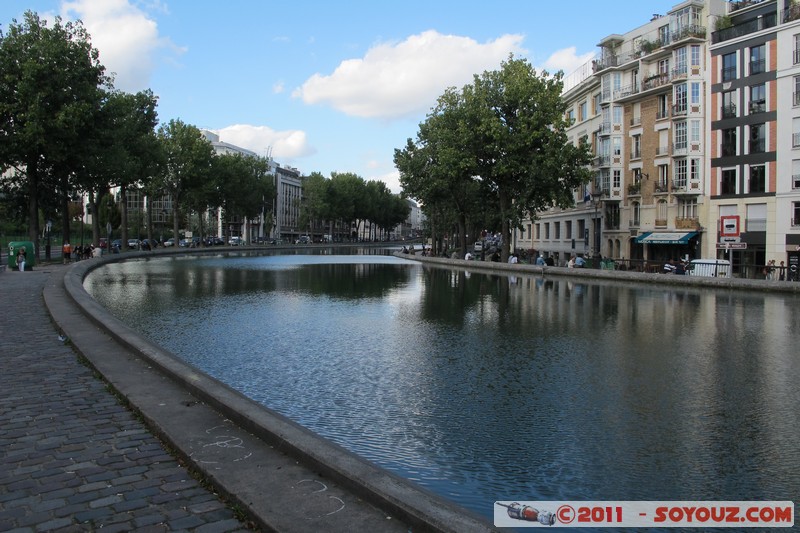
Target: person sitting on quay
[
  {"x": 513, "y": 259},
  {"x": 540, "y": 260},
  {"x": 468, "y": 256},
  {"x": 571, "y": 262},
  {"x": 580, "y": 262},
  {"x": 669, "y": 267}
]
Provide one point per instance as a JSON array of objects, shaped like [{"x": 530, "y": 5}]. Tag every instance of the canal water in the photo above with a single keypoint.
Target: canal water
[{"x": 485, "y": 387}]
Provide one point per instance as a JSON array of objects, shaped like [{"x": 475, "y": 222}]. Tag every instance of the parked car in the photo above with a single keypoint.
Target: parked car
[
  {"x": 169, "y": 242},
  {"x": 134, "y": 244},
  {"x": 236, "y": 241}
]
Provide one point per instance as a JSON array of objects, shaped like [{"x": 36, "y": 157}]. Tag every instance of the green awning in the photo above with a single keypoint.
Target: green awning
[{"x": 665, "y": 237}]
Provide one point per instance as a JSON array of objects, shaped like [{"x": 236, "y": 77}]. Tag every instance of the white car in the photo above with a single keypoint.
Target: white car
[{"x": 236, "y": 241}]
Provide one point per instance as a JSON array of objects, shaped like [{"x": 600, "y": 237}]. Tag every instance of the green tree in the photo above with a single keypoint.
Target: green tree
[
  {"x": 51, "y": 84},
  {"x": 346, "y": 197},
  {"x": 245, "y": 185},
  {"x": 187, "y": 165},
  {"x": 517, "y": 134},
  {"x": 316, "y": 202}
]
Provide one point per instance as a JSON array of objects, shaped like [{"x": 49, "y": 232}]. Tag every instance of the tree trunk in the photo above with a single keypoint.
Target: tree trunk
[
  {"x": 505, "y": 208},
  {"x": 123, "y": 193},
  {"x": 33, "y": 205}
]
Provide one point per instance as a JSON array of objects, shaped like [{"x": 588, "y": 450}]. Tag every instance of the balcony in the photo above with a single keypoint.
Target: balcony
[
  {"x": 662, "y": 113},
  {"x": 758, "y": 106},
  {"x": 687, "y": 223},
  {"x": 679, "y": 148},
  {"x": 757, "y": 146},
  {"x": 661, "y": 188},
  {"x": 654, "y": 81},
  {"x": 729, "y": 111},
  {"x": 635, "y": 189},
  {"x": 792, "y": 12},
  {"x": 729, "y": 73},
  {"x": 636, "y": 153},
  {"x": 636, "y": 121},
  {"x": 602, "y": 161},
  {"x": 758, "y": 66},
  {"x": 691, "y": 30},
  {"x": 745, "y": 28},
  {"x": 728, "y": 149},
  {"x": 680, "y": 73},
  {"x": 662, "y": 150},
  {"x": 626, "y": 91},
  {"x": 604, "y": 128},
  {"x": 680, "y": 110}
]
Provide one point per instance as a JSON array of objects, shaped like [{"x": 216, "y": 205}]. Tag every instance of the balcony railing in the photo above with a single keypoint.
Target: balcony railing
[
  {"x": 728, "y": 149},
  {"x": 745, "y": 28},
  {"x": 661, "y": 188},
  {"x": 792, "y": 12},
  {"x": 729, "y": 73},
  {"x": 626, "y": 91},
  {"x": 636, "y": 153},
  {"x": 662, "y": 113},
  {"x": 635, "y": 189},
  {"x": 757, "y": 146},
  {"x": 604, "y": 128},
  {"x": 603, "y": 160},
  {"x": 679, "y": 183},
  {"x": 758, "y": 66},
  {"x": 691, "y": 30},
  {"x": 679, "y": 148},
  {"x": 758, "y": 106},
  {"x": 656, "y": 80},
  {"x": 679, "y": 110},
  {"x": 795, "y": 140},
  {"x": 796, "y": 97},
  {"x": 635, "y": 121},
  {"x": 729, "y": 111},
  {"x": 679, "y": 73}
]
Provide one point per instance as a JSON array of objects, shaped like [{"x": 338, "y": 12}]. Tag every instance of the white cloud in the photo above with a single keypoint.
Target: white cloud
[
  {"x": 126, "y": 37},
  {"x": 391, "y": 179},
  {"x": 284, "y": 145},
  {"x": 566, "y": 60},
  {"x": 278, "y": 87},
  {"x": 401, "y": 79}
]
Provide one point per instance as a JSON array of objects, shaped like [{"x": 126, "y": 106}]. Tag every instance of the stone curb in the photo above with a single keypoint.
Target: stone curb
[{"x": 418, "y": 508}]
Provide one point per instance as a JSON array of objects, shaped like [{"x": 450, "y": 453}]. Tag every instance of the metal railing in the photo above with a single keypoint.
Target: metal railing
[
  {"x": 758, "y": 66},
  {"x": 745, "y": 28},
  {"x": 758, "y": 106},
  {"x": 795, "y": 140},
  {"x": 729, "y": 111}
]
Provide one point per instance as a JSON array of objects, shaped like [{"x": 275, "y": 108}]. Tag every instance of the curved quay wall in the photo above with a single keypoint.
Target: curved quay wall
[{"x": 414, "y": 505}]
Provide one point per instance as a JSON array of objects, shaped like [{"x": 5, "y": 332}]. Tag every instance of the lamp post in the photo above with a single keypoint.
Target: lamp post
[
  {"x": 48, "y": 226},
  {"x": 597, "y": 199}
]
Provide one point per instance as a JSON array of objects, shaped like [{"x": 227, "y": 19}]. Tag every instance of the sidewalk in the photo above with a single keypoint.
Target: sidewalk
[{"x": 75, "y": 459}]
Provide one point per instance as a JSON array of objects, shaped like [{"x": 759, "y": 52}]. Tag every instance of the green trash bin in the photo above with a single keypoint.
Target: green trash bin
[{"x": 30, "y": 254}]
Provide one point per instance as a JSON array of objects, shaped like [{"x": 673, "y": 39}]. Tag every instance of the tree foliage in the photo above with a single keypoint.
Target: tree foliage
[
  {"x": 51, "y": 84},
  {"x": 503, "y": 138}
]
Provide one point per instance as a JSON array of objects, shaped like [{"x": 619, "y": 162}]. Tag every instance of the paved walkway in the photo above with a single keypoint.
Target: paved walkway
[{"x": 73, "y": 458}]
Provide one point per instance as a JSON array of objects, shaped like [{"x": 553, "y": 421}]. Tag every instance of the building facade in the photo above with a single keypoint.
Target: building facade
[{"x": 693, "y": 119}]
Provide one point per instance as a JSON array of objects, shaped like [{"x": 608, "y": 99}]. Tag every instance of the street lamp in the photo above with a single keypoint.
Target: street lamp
[
  {"x": 48, "y": 226},
  {"x": 597, "y": 199}
]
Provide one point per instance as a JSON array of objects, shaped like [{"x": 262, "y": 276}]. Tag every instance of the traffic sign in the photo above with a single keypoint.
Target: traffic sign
[{"x": 731, "y": 246}]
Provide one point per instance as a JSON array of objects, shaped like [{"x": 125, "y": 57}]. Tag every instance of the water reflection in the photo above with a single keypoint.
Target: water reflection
[{"x": 483, "y": 387}]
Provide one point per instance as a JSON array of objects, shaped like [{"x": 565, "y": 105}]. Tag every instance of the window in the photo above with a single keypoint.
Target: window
[
  {"x": 729, "y": 66},
  {"x": 662, "y": 185},
  {"x": 616, "y": 144},
  {"x": 568, "y": 229},
  {"x": 617, "y": 114},
  {"x": 581, "y": 228},
  {"x": 694, "y": 169},
  {"x": 796, "y": 174},
  {"x": 795, "y": 132},
  {"x": 795, "y": 213},
  {"x": 557, "y": 230},
  {"x": 547, "y": 231},
  {"x": 605, "y": 179},
  {"x": 612, "y": 216},
  {"x": 687, "y": 208},
  {"x": 758, "y": 99},
  {"x": 796, "y": 95},
  {"x": 695, "y": 55},
  {"x": 662, "y": 110},
  {"x": 680, "y": 136},
  {"x": 679, "y": 108},
  {"x": 661, "y": 213},
  {"x": 680, "y": 173},
  {"x": 596, "y": 103},
  {"x": 538, "y": 232},
  {"x": 728, "y": 104},
  {"x": 663, "y": 35},
  {"x": 695, "y": 131},
  {"x": 617, "y": 181},
  {"x": 582, "y": 111},
  {"x": 729, "y": 142},
  {"x": 636, "y": 214},
  {"x": 571, "y": 116},
  {"x": 728, "y": 182},
  {"x": 757, "y": 179},
  {"x": 797, "y": 49},
  {"x": 680, "y": 61},
  {"x": 695, "y": 91},
  {"x": 663, "y": 67},
  {"x": 758, "y": 59},
  {"x": 757, "y": 138},
  {"x": 636, "y": 147}
]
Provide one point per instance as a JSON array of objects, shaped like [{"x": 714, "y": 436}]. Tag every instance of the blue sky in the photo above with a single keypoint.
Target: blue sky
[{"x": 328, "y": 86}]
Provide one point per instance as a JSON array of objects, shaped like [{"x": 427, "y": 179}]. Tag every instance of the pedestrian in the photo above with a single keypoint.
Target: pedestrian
[
  {"x": 571, "y": 262},
  {"x": 468, "y": 256},
  {"x": 540, "y": 260},
  {"x": 21, "y": 256},
  {"x": 782, "y": 274},
  {"x": 580, "y": 262},
  {"x": 513, "y": 259},
  {"x": 66, "y": 251}
]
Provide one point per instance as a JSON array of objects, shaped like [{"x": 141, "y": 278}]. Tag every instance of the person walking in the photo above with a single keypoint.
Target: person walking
[
  {"x": 21, "y": 256},
  {"x": 66, "y": 251}
]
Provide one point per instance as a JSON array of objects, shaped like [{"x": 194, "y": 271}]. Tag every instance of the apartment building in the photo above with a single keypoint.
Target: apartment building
[
  {"x": 754, "y": 197},
  {"x": 644, "y": 108}
]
